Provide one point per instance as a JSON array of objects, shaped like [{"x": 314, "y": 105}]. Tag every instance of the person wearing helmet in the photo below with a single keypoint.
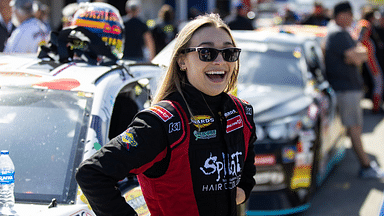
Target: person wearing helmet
[
  {"x": 96, "y": 35},
  {"x": 31, "y": 32}
]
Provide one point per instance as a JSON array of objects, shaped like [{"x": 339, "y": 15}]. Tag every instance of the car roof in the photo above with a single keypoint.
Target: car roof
[
  {"x": 266, "y": 36},
  {"x": 28, "y": 70}
]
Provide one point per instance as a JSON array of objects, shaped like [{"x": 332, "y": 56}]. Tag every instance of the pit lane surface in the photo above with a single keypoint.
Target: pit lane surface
[{"x": 343, "y": 193}]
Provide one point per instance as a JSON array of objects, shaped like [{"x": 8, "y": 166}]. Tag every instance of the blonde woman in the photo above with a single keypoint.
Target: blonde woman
[{"x": 192, "y": 150}]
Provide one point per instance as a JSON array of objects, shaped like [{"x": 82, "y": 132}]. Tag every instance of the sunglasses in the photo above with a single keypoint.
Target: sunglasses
[{"x": 210, "y": 54}]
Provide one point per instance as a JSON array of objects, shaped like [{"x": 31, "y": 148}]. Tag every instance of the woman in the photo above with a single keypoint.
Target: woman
[{"x": 193, "y": 149}]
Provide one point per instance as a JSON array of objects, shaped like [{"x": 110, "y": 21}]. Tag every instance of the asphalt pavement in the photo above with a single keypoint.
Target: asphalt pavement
[{"x": 343, "y": 193}]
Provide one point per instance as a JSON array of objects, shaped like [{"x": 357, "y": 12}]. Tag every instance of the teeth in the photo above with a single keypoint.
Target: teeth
[{"x": 216, "y": 72}]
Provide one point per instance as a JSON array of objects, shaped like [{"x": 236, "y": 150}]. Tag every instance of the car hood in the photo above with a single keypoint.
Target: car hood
[
  {"x": 273, "y": 102},
  {"x": 60, "y": 210}
]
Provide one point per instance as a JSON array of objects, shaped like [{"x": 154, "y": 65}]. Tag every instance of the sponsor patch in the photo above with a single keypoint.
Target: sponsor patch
[
  {"x": 234, "y": 123},
  {"x": 230, "y": 113},
  {"x": 248, "y": 110},
  {"x": 202, "y": 121},
  {"x": 205, "y": 134},
  {"x": 128, "y": 139},
  {"x": 174, "y": 126},
  {"x": 163, "y": 113}
]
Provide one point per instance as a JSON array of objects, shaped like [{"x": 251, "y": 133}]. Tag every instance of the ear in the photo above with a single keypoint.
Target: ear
[{"x": 181, "y": 63}]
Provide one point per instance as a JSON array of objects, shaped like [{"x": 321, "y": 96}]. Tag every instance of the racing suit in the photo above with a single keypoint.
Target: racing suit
[{"x": 186, "y": 165}]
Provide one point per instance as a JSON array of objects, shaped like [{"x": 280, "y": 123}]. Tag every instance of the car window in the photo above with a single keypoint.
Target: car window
[
  {"x": 271, "y": 67},
  {"x": 43, "y": 129}
]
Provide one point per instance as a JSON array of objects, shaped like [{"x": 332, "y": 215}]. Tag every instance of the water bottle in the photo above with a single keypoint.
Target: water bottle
[{"x": 7, "y": 184}]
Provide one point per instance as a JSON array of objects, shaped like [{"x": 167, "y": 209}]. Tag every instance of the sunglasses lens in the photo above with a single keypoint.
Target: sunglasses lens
[
  {"x": 208, "y": 54},
  {"x": 231, "y": 54}
]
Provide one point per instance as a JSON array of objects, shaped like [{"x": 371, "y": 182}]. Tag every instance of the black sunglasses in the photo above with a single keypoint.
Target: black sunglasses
[{"x": 207, "y": 54}]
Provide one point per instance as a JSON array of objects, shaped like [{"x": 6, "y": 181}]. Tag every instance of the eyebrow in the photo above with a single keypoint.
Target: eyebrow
[{"x": 212, "y": 44}]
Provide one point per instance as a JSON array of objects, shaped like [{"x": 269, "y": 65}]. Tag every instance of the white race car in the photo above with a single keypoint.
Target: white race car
[{"x": 52, "y": 115}]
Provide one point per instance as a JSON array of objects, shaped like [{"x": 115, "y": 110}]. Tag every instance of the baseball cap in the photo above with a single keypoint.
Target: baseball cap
[
  {"x": 342, "y": 7},
  {"x": 22, "y": 4}
]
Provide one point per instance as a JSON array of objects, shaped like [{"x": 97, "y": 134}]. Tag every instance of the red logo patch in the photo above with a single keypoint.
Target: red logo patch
[
  {"x": 164, "y": 114},
  {"x": 234, "y": 124}
]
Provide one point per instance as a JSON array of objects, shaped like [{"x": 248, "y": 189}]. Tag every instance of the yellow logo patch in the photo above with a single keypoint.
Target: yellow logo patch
[{"x": 202, "y": 121}]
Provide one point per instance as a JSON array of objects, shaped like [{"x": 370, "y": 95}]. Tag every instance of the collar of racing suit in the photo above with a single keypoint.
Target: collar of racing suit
[{"x": 199, "y": 101}]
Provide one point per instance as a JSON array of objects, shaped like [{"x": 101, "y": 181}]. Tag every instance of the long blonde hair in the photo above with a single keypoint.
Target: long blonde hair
[{"x": 174, "y": 77}]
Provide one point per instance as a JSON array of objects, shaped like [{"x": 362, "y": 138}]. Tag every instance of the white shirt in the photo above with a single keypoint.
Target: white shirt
[
  {"x": 8, "y": 25},
  {"x": 28, "y": 37}
]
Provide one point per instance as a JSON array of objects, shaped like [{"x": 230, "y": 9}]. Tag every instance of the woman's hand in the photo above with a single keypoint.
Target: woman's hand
[{"x": 240, "y": 196}]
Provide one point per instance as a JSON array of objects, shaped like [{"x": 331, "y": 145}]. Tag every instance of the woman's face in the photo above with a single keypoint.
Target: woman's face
[{"x": 211, "y": 78}]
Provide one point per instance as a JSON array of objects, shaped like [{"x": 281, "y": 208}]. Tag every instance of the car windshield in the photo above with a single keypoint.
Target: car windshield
[
  {"x": 42, "y": 131},
  {"x": 267, "y": 65}
]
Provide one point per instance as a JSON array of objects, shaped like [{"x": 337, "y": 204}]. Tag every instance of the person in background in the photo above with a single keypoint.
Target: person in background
[
  {"x": 318, "y": 17},
  {"x": 239, "y": 20},
  {"x": 192, "y": 150},
  {"x": 164, "y": 30},
  {"x": 342, "y": 59},
  {"x": 137, "y": 35},
  {"x": 6, "y": 26},
  {"x": 30, "y": 34},
  {"x": 370, "y": 38},
  {"x": 290, "y": 17},
  {"x": 42, "y": 13}
]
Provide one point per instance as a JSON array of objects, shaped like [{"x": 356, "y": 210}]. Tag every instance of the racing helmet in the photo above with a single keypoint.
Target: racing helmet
[{"x": 104, "y": 21}]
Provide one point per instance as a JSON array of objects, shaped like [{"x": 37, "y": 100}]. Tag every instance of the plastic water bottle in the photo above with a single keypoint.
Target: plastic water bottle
[{"x": 7, "y": 184}]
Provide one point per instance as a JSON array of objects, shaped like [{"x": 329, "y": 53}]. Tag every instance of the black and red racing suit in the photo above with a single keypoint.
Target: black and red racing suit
[{"x": 186, "y": 165}]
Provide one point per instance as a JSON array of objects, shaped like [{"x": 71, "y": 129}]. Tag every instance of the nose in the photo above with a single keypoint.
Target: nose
[{"x": 219, "y": 58}]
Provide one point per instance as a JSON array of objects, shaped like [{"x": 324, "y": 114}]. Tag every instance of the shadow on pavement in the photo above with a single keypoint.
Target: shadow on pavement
[
  {"x": 373, "y": 119},
  {"x": 343, "y": 193}
]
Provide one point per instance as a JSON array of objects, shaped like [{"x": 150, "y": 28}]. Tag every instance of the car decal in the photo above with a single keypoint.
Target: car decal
[
  {"x": 60, "y": 84},
  {"x": 62, "y": 69},
  {"x": 265, "y": 160},
  {"x": 18, "y": 74},
  {"x": 288, "y": 154},
  {"x": 301, "y": 177}
]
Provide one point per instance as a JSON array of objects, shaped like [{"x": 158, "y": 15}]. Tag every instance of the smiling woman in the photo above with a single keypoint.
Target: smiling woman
[{"x": 192, "y": 150}]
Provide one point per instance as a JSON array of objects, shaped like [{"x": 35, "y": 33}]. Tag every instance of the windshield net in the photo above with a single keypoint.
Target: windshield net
[{"x": 41, "y": 130}]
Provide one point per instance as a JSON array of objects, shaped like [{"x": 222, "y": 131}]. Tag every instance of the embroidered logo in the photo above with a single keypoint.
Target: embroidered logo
[
  {"x": 230, "y": 113},
  {"x": 205, "y": 134},
  {"x": 202, "y": 121},
  {"x": 128, "y": 139},
  {"x": 163, "y": 113},
  {"x": 234, "y": 123},
  {"x": 248, "y": 110},
  {"x": 173, "y": 127}
]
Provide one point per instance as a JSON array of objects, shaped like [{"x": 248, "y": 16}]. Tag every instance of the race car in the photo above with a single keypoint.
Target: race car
[
  {"x": 300, "y": 135},
  {"x": 54, "y": 114}
]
